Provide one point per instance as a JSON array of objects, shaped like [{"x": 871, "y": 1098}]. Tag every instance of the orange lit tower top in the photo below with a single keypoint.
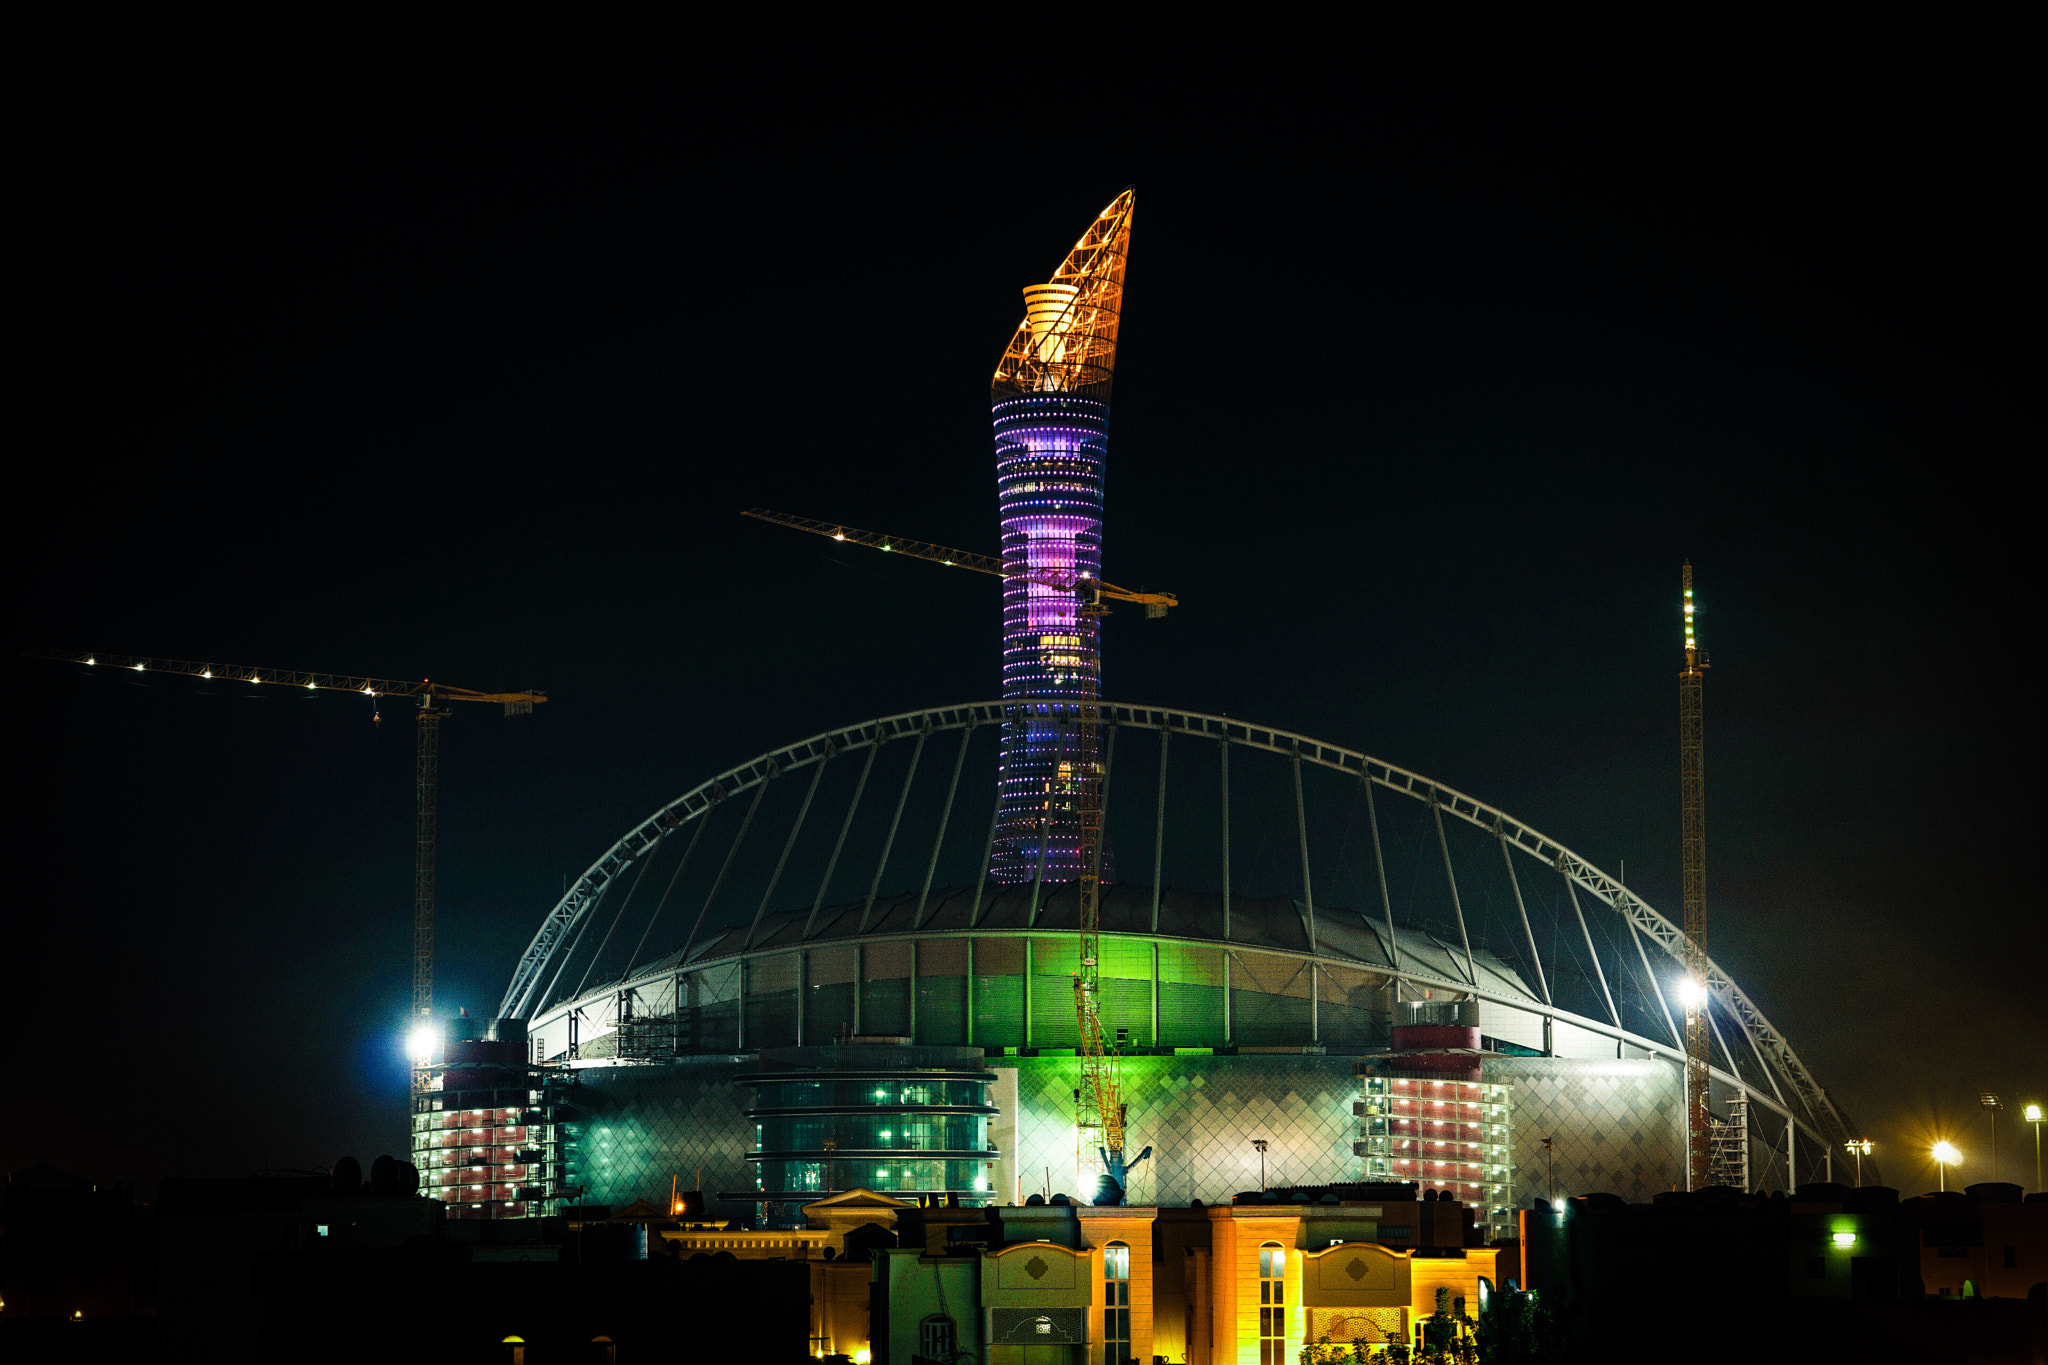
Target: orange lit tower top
[{"x": 1067, "y": 340}]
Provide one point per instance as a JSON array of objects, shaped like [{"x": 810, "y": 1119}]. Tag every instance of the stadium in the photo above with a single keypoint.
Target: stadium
[{"x": 850, "y": 963}]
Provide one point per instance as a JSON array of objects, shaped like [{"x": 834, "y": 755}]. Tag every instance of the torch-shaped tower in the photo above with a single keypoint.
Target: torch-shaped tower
[{"x": 1050, "y": 403}]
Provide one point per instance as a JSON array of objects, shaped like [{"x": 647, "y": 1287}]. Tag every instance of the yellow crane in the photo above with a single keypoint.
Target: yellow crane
[
  {"x": 427, "y": 766},
  {"x": 1101, "y": 1107}
]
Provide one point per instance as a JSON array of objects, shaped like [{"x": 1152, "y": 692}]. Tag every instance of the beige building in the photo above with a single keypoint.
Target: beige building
[{"x": 1239, "y": 1284}]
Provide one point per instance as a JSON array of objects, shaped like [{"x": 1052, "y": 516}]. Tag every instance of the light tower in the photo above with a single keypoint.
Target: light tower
[
  {"x": 1050, "y": 402},
  {"x": 1692, "y": 805}
]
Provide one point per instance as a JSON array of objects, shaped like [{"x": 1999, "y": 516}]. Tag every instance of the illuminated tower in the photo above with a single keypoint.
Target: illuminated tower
[{"x": 1050, "y": 402}]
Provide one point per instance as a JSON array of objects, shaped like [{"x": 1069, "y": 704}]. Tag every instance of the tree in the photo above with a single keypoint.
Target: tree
[{"x": 1519, "y": 1330}]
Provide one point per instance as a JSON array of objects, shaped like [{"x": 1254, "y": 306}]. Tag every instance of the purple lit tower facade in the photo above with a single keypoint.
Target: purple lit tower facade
[{"x": 1050, "y": 402}]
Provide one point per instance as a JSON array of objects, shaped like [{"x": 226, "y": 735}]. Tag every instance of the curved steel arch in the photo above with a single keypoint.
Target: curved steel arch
[{"x": 1770, "y": 1045}]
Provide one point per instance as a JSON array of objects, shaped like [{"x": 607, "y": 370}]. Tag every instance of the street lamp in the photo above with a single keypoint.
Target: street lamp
[
  {"x": 1991, "y": 1102},
  {"x": 2032, "y": 1114},
  {"x": 1860, "y": 1148},
  {"x": 1260, "y": 1144},
  {"x": 1945, "y": 1156}
]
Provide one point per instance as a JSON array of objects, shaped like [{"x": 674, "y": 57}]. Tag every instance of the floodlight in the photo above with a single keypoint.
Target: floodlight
[
  {"x": 2032, "y": 1113},
  {"x": 1692, "y": 994},
  {"x": 422, "y": 1041}
]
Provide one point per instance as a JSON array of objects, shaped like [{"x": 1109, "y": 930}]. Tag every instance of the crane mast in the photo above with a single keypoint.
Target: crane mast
[{"x": 1692, "y": 789}]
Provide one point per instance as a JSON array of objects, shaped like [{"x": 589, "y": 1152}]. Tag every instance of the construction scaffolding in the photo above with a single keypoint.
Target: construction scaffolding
[{"x": 1728, "y": 1145}]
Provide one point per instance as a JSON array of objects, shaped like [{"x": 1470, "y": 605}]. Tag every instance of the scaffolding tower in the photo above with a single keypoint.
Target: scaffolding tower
[{"x": 1728, "y": 1145}]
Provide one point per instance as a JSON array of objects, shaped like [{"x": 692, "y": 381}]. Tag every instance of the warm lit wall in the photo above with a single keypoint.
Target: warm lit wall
[
  {"x": 1132, "y": 1227},
  {"x": 1237, "y": 1232},
  {"x": 1427, "y": 1274},
  {"x": 1235, "y": 1239}
]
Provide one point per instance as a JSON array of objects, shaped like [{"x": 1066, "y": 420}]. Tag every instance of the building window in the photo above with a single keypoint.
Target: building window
[
  {"x": 935, "y": 1339},
  {"x": 1272, "y": 1304},
  {"x": 1116, "y": 1304}
]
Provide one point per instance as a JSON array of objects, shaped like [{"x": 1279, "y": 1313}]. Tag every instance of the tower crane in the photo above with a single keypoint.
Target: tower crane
[
  {"x": 1692, "y": 815},
  {"x": 430, "y": 711},
  {"x": 1100, "y": 1107}
]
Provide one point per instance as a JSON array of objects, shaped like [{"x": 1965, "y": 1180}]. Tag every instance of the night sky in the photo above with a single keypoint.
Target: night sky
[{"x": 454, "y": 351}]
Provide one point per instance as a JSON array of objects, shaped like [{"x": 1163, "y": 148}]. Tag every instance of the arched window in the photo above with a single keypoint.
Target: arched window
[
  {"x": 935, "y": 1338},
  {"x": 602, "y": 1351},
  {"x": 1116, "y": 1303},
  {"x": 1272, "y": 1304},
  {"x": 512, "y": 1350}
]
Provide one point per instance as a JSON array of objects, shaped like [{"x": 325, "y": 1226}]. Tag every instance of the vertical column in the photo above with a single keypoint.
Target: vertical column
[
  {"x": 1159, "y": 826},
  {"x": 1227, "y": 1035},
  {"x": 1223, "y": 760},
  {"x": 1308, "y": 895},
  {"x": 1155, "y": 992}
]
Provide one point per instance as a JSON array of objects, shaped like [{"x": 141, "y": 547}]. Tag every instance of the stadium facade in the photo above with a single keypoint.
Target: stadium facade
[{"x": 842, "y": 966}]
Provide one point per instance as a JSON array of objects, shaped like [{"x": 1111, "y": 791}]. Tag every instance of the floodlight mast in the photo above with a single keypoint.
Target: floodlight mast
[{"x": 1692, "y": 803}]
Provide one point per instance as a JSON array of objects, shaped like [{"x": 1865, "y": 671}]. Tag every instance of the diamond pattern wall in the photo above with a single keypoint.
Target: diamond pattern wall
[
  {"x": 1619, "y": 1126},
  {"x": 1199, "y": 1115},
  {"x": 635, "y": 1126}
]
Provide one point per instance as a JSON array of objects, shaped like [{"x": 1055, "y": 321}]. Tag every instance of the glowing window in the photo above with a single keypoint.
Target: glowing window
[
  {"x": 1272, "y": 1304},
  {"x": 1116, "y": 1303}
]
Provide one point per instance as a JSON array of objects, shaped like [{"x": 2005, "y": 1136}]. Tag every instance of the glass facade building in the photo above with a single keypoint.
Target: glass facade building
[{"x": 870, "y": 1115}]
